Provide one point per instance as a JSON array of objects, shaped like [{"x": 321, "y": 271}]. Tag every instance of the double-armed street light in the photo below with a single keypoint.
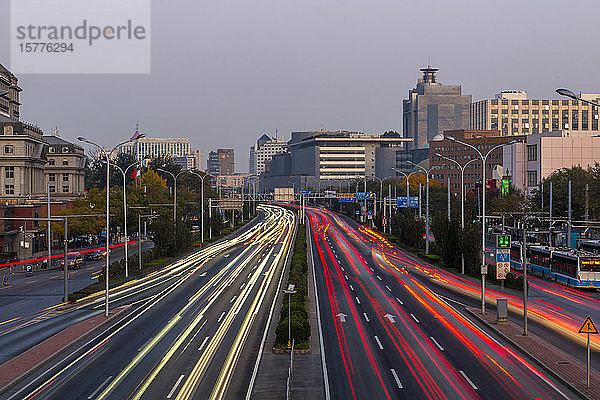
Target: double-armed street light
[
  {"x": 570, "y": 94},
  {"x": 124, "y": 172},
  {"x": 175, "y": 176},
  {"x": 462, "y": 199},
  {"x": 484, "y": 187},
  {"x": 107, "y": 156},
  {"x": 427, "y": 171},
  {"x": 201, "y": 202}
]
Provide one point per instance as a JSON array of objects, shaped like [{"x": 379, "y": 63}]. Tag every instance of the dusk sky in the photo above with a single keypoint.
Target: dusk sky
[{"x": 225, "y": 72}]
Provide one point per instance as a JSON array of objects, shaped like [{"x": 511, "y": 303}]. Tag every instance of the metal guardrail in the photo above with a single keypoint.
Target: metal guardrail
[{"x": 289, "y": 379}]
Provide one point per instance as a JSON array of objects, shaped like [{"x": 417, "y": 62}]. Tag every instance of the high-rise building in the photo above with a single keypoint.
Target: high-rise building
[
  {"x": 263, "y": 151},
  {"x": 157, "y": 147},
  {"x": 221, "y": 162},
  {"x": 198, "y": 155},
  {"x": 432, "y": 108},
  {"x": 9, "y": 103},
  {"x": 512, "y": 113}
]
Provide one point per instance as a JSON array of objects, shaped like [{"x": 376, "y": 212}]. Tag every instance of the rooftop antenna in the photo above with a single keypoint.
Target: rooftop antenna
[{"x": 429, "y": 62}]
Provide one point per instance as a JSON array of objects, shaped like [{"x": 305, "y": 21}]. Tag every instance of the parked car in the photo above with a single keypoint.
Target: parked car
[{"x": 73, "y": 261}]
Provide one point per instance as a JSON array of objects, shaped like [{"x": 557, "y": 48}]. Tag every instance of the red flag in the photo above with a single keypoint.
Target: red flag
[{"x": 134, "y": 174}]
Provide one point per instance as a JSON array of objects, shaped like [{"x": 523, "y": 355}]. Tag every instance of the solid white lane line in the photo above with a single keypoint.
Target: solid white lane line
[
  {"x": 221, "y": 317},
  {"x": 436, "y": 343},
  {"x": 203, "y": 343},
  {"x": 413, "y": 317},
  {"x": 91, "y": 396},
  {"x": 232, "y": 299},
  {"x": 366, "y": 318},
  {"x": 378, "y": 343},
  {"x": 388, "y": 288},
  {"x": 397, "y": 379},
  {"x": 175, "y": 387},
  {"x": 357, "y": 300},
  {"x": 378, "y": 277},
  {"x": 399, "y": 301},
  {"x": 351, "y": 288},
  {"x": 470, "y": 382}
]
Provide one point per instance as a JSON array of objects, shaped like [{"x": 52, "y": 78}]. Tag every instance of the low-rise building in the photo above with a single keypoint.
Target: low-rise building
[
  {"x": 65, "y": 169},
  {"x": 534, "y": 159}
]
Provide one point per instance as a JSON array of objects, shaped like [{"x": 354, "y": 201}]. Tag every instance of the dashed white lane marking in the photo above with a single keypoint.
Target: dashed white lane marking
[
  {"x": 397, "y": 379},
  {"x": 175, "y": 387},
  {"x": 413, "y": 317},
  {"x": 372, "y": 269},
  {"x": 242, "y": 286},
  {"x": 351, "y": 287},
  {"x": 91, "y": 396},
  {"x": 388, "y": 288},
  {"x": 399, "y": 301},
  {"x": 436, "y": 343},
  {"x": 357, "y": 300},
  {"x": 470, "y": 382},
  {"x": 203, "y": 343},
  {"x": 221, "y": 317},
  {"x": 366, "y": 318},
  {"x": 378, "y": 277},
  {"x": 378, "y": 343},
  {"x": 232, "y": 299},
  {"x": 346, "y": 276}
]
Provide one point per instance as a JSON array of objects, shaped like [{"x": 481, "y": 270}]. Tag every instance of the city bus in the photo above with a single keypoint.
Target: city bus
[
  {"x": 591, "y": 246},
  {"x": 577, "y": 269}
]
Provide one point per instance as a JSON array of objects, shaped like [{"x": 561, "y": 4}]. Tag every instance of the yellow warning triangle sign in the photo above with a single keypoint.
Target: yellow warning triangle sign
[{"x": 588, "y": 327}]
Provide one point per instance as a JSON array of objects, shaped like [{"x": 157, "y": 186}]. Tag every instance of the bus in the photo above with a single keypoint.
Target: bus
[
  {"x": 577, "y": 269},
  {"x": 591, "y": 246}
]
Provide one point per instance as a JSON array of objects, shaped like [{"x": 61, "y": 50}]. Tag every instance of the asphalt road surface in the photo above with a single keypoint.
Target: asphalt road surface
[
  {"x": 193, "y": 331},
  {"x": 386, "y": 335}
]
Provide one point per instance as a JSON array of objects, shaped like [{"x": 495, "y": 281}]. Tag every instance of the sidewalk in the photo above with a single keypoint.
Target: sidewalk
[
  {"x": 18, "y": 368},
  {"x": 564, "y": 367}
]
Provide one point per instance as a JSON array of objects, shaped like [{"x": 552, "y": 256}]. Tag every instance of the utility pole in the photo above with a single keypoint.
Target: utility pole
[
  {"x": 66, "y": 269},
  {"x": 419, "y": 201},
  {"x": 140, "y": 241},
  {"x": 210, "y": 218},
  {"x": 550, "y": 219},
  {"x": 49, "y": 231},
  {"x": 587, "y": 203},
  {"x": 569, "y": 222},
  {"x": 525, "y": 288},
  {"x": 448, "y": 198}
]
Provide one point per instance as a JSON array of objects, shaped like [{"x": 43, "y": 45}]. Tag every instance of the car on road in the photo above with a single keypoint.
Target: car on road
[
  {"x": 93, "y": 255},
  {"x": 73, "y": 261}
]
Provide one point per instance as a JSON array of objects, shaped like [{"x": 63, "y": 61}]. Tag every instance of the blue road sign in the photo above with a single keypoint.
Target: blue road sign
[
  {"x": 363, "y": 195},
  {"x": 412, "y": 201},
  {"x": 305, "y": 192},
  {"x": 502, "y": 255}
]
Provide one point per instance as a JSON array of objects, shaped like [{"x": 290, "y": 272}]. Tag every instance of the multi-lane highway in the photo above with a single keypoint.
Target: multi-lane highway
[
  {"x": 387, "y": 335},
  {"x": 26, "y": 298},
  {"x": 193, "y": 330}
]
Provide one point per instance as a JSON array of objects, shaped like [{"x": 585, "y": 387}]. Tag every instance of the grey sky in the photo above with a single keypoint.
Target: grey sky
[{"x": 224, "y": 72}]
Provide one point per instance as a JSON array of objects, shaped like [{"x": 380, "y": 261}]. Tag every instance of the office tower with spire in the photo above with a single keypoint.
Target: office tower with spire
[{"x": 432, "y": 108}]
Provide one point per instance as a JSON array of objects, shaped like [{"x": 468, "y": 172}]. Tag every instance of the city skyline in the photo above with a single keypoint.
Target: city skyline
[{"x": 261, "y": 61}]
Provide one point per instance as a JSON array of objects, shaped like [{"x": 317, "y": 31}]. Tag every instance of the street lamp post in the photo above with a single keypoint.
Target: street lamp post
[
  {"x": 462, "y": 199},
  {"x": 107, "y": 156},
  {"x": 427, "y": 171},
  {"x": 175, "y": 176},
  {"x": 124, "y": 173},
  {"x": 570, "y": 94},
  {"x": 483, "y": 189},
  {"x": 290, "y": 291},
  {"x": 202, "y": 201}
]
